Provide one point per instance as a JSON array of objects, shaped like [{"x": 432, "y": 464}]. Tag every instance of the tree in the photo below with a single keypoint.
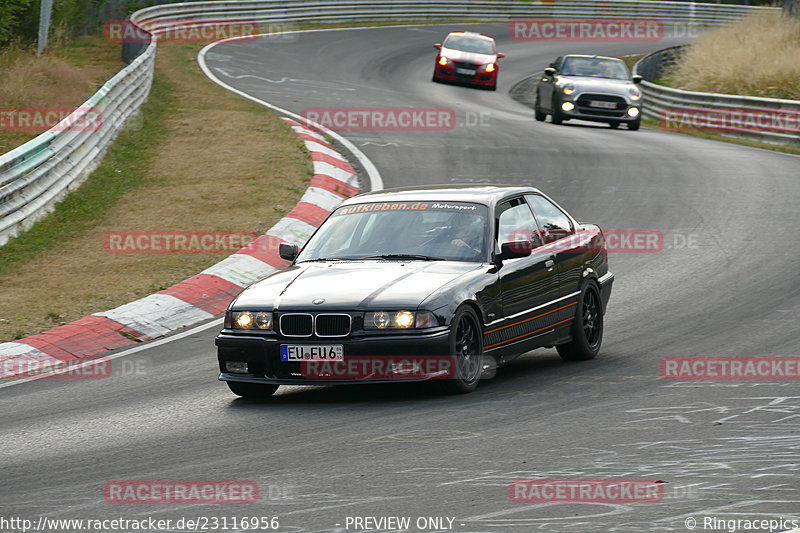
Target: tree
[{"x": 11, "y": 12}]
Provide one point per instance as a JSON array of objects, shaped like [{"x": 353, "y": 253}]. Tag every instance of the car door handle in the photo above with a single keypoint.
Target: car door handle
[{"x": 549, "y": 264}]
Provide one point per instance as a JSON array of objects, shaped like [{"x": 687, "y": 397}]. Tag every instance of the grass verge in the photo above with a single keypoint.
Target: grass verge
[
  {"x": 757, "y": 56},
  {"x": 65, "y": 76}
]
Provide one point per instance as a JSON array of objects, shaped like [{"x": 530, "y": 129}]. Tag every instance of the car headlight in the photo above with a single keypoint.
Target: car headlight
[
  {"x": 635, "y": 93},
  {"x": 568, "y": 88},
  {"x": 249, "y": 320},
  {"x": 399, "y": 320},
  {"x": 633, "y": 112},
  {"x": 491, "y": 67},
  {"x": 443, "y": 61}
]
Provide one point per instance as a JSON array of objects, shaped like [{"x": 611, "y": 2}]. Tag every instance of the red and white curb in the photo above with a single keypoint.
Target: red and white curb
[{"x": 200, "y": 297}]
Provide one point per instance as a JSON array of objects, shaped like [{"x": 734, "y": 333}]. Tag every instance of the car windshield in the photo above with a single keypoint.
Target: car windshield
[
  {"x": 469, "y": 44},
  {"x": 595, "y": 68},
  {"x": 424, "y": 230}
]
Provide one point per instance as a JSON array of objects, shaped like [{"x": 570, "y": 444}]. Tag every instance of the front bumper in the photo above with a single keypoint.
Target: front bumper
[
  {"x": 448, "y": 73},
  {"x": 583, "y": 109},
  {"x": 263, "y": 357}
]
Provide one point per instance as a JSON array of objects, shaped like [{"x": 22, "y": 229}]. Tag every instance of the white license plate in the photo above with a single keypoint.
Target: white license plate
[
  {"x": 604, "y": 105},
  {"x": 466, "y": 71},
  {"x": 307, "y": 352}
]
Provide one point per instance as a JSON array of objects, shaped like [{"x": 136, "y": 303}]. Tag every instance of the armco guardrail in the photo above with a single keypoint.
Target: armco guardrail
[
  {"x": 489, "y": 10},
  {"x": 36, "y": 175},
  {"x": 761, "y": 119}
]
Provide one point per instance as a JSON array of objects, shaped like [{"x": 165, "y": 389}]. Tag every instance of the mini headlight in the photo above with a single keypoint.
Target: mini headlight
[
  {"x": 443, "y": 61},
  {"x": 568, "y": 88},
  {"x": 633, "y": 112},
  {"x": 635, "y": 93},
  {"x": 567, "y": 106}
]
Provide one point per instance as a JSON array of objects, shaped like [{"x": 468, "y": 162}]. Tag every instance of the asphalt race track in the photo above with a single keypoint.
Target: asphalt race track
[{"x": 725, "y": 284}]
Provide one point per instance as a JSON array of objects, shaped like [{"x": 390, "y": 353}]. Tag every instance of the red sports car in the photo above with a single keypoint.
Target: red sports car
[{"x": 468, "y": 58}]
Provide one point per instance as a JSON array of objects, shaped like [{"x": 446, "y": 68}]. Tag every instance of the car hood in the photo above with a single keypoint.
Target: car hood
[
  {"x": 468, "y": 57},
  {"x": 605, "y": 85},
  {"x": 352, "y": 285}
]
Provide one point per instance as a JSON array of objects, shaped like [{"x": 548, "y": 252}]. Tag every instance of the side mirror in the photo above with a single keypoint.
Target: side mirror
[
  {"x": 438, "y": 46},
  {"x": 637, "y": 79},
  {"x": 550, "y": 71},
  {"x": 288, "y": 251},
  {"x": 500, "y": 55},
  {"x": 516, "y": 249}
]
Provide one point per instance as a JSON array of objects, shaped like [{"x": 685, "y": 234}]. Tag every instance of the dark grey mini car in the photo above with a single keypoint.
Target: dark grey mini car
[{"x": 594, "y": 88}]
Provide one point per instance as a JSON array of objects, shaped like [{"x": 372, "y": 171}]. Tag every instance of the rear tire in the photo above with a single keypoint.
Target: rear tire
[
  {"x": 466, "y": 348},
  {"x": 587, "y": 327},
  {"x": 251, "y": 390}
]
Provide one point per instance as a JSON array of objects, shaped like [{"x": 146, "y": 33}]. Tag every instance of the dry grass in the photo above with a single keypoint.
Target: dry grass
[
  {"x": 65, "y": 76},
  {"x": 759, "y": 56},
  {"x": 224, "y": 164}
]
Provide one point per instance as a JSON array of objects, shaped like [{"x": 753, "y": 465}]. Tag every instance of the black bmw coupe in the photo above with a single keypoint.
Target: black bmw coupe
[{"x": 436, "y": 283}]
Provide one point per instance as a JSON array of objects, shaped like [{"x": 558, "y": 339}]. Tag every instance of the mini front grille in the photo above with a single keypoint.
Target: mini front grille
[
  {"x": 297, "y": 325},
  {"x": 585, "y": 99},
  {"x": 332, "y": 325}
]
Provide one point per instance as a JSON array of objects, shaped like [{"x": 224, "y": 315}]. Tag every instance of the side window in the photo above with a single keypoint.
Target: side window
[
  {"x": 553, "y": 221},
  {"x": 515, "y": 222}
]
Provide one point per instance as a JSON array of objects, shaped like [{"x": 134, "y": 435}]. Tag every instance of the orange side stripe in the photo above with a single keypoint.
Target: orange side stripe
[
  {"x": 527, "y": 334},
  {"x": 529, "y": 319}
]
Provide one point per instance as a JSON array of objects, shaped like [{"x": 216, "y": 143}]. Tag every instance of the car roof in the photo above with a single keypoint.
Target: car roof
[
  {"x": 472, "y": 35},
  {"x": 487, "y": 194}
]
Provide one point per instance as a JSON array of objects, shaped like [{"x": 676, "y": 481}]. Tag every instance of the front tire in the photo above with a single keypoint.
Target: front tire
[
  {"x": 633, "y": 126},
  {"x": 556, "y": 117},
  {"x": 614, "y": 125},
  {"x": 587, "y": 327},
  {"x": 251, "y": 390},
  {"x": 538, "y": 114},
  {"x": 466, "y": 349}
]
